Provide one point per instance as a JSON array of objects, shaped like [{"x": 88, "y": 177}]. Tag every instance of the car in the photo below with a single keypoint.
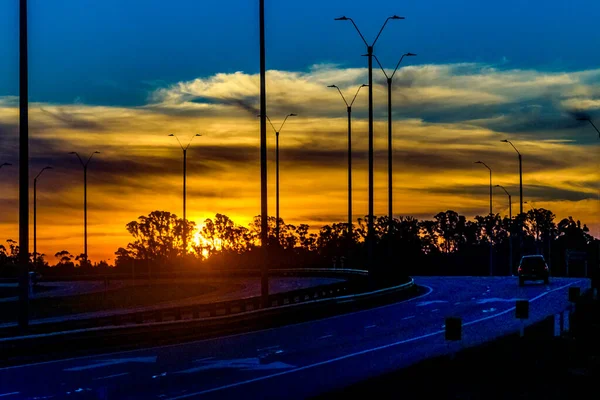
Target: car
[{"x": 533, "y": 268}]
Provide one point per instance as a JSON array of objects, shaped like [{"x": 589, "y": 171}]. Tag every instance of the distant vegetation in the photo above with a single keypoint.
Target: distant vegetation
[{"x": 448, "y": 244}]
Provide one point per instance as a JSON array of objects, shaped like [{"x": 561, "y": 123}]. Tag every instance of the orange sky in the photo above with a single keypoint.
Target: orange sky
[{"x": 445, "y": 118}]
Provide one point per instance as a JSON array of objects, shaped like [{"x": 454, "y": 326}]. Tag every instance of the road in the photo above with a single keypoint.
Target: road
[
  {"x": 301, "y": 360},
  {"x": 226, "y": 289}
]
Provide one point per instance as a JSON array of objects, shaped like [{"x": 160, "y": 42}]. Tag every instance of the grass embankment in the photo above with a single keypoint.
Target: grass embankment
[{"x": 127, "y": 297}]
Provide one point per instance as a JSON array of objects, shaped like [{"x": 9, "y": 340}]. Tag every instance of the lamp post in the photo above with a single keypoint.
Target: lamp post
[
  {"x": 23, "y": 313},
  {"x": 277, "y": 131},
  {"x": 485, "y": 165},
  {"x": 588, "y": 119},
  {"x": 389, "y": 111},
  {"x": 35, "y": 255},
  {"x": 510, "y": 239},
  {"x": 520, "y": 175},
  {"x": 369, "y": 54},
  {"x": 349, "y": 110},
  {"x": 264, "y": 226},
  {"x": 491, "y": 253},
  {"x": 184, "y": 233},
  {"x": 85, "y": 165},
  {"x": 390, "y": 156}
]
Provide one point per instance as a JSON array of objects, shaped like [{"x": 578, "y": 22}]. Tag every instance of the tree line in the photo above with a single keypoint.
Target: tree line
[{"x": 448, "y": 244}]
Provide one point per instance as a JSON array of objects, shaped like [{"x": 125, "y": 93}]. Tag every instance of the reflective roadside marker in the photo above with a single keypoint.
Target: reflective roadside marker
[
  {"x": 453, "y": 328},
  {"x": 522, "y": 309},
  {"x": 573, "y": 294}
]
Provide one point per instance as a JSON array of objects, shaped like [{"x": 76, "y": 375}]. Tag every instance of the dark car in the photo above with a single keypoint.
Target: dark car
[{"x": 533, "y": 268}]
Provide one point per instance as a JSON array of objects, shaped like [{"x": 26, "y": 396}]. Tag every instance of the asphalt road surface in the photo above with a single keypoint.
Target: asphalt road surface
[{"x": 302, "y": 360}]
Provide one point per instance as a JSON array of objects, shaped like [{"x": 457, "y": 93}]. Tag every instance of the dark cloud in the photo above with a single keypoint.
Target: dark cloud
[
  {"x": 533, "y": 192},
  {"x": 74, "y": 120}
]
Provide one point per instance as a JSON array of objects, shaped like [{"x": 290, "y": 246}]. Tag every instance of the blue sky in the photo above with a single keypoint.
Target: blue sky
[{"x": 115, "y": 52}]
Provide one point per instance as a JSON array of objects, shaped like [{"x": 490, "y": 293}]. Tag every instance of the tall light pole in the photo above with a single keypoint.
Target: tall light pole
[
  {"x": 489, "y": 236},
  {"x": 370, "y": 230},
  {"x": 588, "y": 119},
  {"x": 520, "y": 175},
  {"x": 389, "y": 111},
  {"x": 184, "y": 233},
  {"x": 349, "y": 111},
  {"x": 485, "y": 165},
  {"x": 390, "y": 155},
  {"x": 277, "y": 131},
  {"x": 85, "y": 165},
  {"x": 264, "y": 226},
  {"x": 35, "y": 255},
  {"x": 23, "y": 168},
  {"x": 510, "y": 238}
]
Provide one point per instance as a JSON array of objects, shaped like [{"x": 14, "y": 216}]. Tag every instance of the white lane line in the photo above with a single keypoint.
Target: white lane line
[
  {"x": 111, "y": 376},
  {"x": 149, "y": 349},
  {"x": 370, "y": 326},
  {"x": 435, "y": 309},
  {"x": 409, "y": 317},
  {"x": 325, "y": 336},
  {"x": 387, "y": 346},
  {"x": 9, "y": 394}
]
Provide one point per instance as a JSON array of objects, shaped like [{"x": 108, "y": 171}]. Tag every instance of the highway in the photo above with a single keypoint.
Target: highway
[{"x": 302, "y": 360}]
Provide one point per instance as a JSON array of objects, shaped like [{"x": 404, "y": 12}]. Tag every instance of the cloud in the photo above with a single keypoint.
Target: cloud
[{"x": 446, "y": 117}]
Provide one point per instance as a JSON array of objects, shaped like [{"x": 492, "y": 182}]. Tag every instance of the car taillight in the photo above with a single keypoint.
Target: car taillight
[{"x": 519, "y": 269}]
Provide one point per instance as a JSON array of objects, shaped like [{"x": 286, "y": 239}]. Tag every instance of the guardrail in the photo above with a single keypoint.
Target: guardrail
[{"x": 340, "y": 290}]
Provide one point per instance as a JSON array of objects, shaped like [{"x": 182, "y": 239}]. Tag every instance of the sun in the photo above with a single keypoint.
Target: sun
[{"x": 200, "y": 240}]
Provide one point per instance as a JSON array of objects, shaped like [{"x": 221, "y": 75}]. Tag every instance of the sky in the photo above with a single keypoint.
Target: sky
[{"x": 119, "y": 76}]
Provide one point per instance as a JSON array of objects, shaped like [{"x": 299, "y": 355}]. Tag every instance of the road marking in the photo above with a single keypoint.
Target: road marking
[
  {"x": 111, "y": 376},
  {"x": 426, "y": 303},
  {"x": 490, "y": 310},
  {"x": 326, "y": 336},
  {"x": 332, "y": 360},
  {"x": 105, "y": 363},
  {"x": 496, "y": 299},
  {"x": 435, "y": 309},
  {"x": 149, "y": 349},
  {"x": 243, "y": 364},
  {"x": 457, "y": 303},
  {"x": 409, "y": 317},
  {"x": 9, "y": 394},
  {"x": 370, "y": 326}
]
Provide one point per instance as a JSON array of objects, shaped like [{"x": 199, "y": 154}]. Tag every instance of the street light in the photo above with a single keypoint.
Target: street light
[
  {"x": 277, "y": 170},
  {"x": 184, "y": 233},
  {"x": 35, "y": 257},
  {"x": 370, "y": 229},
  {"x": 390, "y": 162},
  {"x": 85, "y": 165},
  {"x": 509, "y": 201},
  {"x": 520, "y": 175},
  {"x": 23, "y": 168},
  {"x": 484, "y": 164},
  {"x": 588, "y": 119},
  {"x": 510, "y": 239},
  {"x": 349, "y": 110},
  {"x": 491, "y": 254}
]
